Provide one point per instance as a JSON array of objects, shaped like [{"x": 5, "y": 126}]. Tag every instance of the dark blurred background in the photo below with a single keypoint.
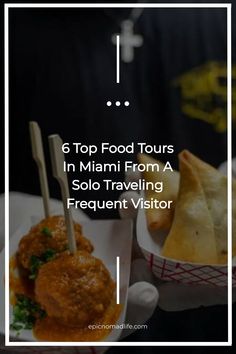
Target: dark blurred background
[{"x": 62, "y": 72}]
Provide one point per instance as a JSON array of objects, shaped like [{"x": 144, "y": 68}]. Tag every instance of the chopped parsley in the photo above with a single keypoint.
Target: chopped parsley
[
  {"x": 35, "y": 264},
  {"x": 37, "y": 261},
  {"x": 48, "y": 255},
  {"x": 46, "y": 231},
  {"x": 25, "y": 313}
]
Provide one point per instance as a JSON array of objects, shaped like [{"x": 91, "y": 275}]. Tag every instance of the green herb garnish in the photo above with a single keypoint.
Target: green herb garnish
[
  {"x": 46, "y": 231},
  {"x": 48, "y": 255},
  {"x": 35, "y": 264},
  {"x": 37, "y": 261},
  {"x": 25, "y": 313}
]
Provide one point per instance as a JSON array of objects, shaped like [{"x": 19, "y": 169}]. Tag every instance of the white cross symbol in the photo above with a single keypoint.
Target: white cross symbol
[{"x": 128, "y": 41}]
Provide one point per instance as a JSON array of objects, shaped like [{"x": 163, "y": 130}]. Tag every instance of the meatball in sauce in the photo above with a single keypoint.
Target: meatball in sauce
[
  {"x": 75, "y": 291},
  {"x": 49, "y": 234}
]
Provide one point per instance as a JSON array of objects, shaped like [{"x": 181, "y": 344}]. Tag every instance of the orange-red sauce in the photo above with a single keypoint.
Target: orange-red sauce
[
  {"x": 36, "y": 242},
  {"x": 49, "y": 329},
  {"x": 19, "y": 283}
]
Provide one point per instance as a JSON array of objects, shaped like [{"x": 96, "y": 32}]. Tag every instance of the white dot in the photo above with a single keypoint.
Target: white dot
[
  {"x": 126, "y": 103},
  {"x": 108, "y": 103},
  {"x": 117, "y": 103}
]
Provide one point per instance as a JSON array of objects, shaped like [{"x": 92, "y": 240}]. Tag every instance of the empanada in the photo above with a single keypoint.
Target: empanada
[
  {"x": 192, "y": 237},
  {"x": 214, "y": 185},
  {"x": 160, "y": 219}
]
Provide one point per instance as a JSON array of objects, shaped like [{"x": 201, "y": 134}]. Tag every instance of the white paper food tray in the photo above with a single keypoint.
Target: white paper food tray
[{"x": 170, "y": 270}]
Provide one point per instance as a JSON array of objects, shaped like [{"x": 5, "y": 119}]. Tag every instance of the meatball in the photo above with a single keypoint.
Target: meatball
[
  {"x": 74, "y": 289},
  {"x": 49, "y": 234}
]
